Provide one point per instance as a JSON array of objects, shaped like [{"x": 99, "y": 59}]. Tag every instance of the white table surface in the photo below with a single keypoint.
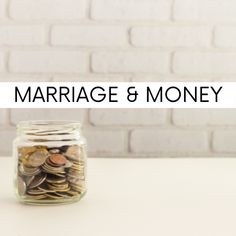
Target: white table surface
[{"x": 161, "y": 197}]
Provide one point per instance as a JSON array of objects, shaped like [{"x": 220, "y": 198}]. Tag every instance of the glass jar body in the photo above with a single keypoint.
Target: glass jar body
[{"x": 50, "y": 159}]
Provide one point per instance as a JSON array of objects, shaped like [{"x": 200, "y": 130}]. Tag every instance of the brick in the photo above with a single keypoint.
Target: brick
[
  {"x": 22, "y": 35},
  {"x": 6, "y": 146},
  {"x": 168, "y": 78},
  {"x": 187, "y": 117},
  {"x": 3, "y": 116},
  {"x": 149, "y": 62},
  {"x": 48, "y": 61},
  {"x": 205, "y": 10},
  {"x": 104, "y": 142},
  {"x": 225, "y": 36},
  {"x": 224, "y": 141},
  {"x": 18, "y": 115},
  {"x": 168, "y": 141},
  {"x": 197, "y": 63},
  {"x": 24, "y": 78},
  {"x": 2, "y": 64},
  {"x": 171, "y": 36},
  {"x": 2, "y": 8},
  {"x": 128, "y": 116},
  {"x": 89, "y": 78},
  {"x": 87, "y": 35},
  {"x": 131, "y": 9},
  {"x": 44, "y": 9}
]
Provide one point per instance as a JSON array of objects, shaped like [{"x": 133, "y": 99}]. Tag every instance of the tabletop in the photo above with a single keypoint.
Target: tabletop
[{"x": 164, "y": 197}]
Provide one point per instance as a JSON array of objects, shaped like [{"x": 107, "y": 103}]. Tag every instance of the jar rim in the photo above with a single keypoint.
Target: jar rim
[{"x": 48, "y": 123}]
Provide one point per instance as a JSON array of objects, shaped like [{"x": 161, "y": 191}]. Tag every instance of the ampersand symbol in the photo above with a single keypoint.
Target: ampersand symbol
[{"x": 132, "y": 95}]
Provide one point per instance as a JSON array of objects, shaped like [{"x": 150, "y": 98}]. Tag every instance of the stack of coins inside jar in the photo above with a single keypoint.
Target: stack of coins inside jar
[{"x": 50, "y": 173}]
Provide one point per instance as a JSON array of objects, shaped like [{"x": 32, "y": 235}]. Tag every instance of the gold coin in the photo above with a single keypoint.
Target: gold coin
[
  {"x": 73, "y": 193},
  {"x": 53, "y": 196},
  {"x": 24, "y": 151},
  {"x": 55, "y": 180},
  {"x": 37, "y": 197}
]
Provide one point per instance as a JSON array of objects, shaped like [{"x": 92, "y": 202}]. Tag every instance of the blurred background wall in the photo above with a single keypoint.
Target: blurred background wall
[{"x": 124, "y": 40}]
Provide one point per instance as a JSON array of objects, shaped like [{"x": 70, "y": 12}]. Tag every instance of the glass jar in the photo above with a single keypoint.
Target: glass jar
[{"x": 50, "y": 162}]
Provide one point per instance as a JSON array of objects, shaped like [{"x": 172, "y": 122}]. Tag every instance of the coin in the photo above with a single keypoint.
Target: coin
[
  {"x": 77, "y": 188},
  {"x": 54, "y": 150},
  {"x": 73, "y": 193},
  {"x": 35, "y": 191},
  {"x": 64, "y": 148},
  {"x": 53, "y": 196},
  {"x": 51, "y": 173},
  {"x": 63, "y": 194},
  {"x": 28, "y": 171},
  {"x": 38, "y": 179},
  {"x": 37, "y": 197},
  {"x": 48, "y": 168},
  {"x": 74, "y": 152},
  {"x": 56, "y": 180},
  {"x": 21, "y": 186},
  {"x": 59, "y": 187},
  {"x": 24, "y": 151},
  {"x": 45, "y": 189},
  {"x": 57, "y": 159},
  {"x": 68, "y": 164},
  {"x": 37, "y": 158},
  {"x": 28, "y": 180}
]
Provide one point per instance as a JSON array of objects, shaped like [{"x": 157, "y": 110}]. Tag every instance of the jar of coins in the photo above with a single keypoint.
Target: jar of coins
[{"x": 50, "y": 162}]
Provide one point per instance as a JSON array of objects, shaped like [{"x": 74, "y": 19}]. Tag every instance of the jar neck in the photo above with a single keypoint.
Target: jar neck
[{"x": 45, "y": 131}]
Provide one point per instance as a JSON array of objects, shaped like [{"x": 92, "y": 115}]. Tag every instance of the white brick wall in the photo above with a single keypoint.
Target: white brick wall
[
  {"x": 6, "y": 136},
  {"x": 131, "y": 9},
  {"x": 50, "y": 10},
  {"x": 48, "y": 61},
  {"x": 224, "y": 141},
  {"x": 171, "y": 36},
  {"x": 169, "y": 141},
  {"x": 42, "y": 114},
  {"x": 124, "y": 40},
  {"x": 2, "y": 64},
  {"x": 2, "y": 8},
  {"x": 225, "y": 36},
  {"x": 22, "y": 35},
  {"x": 207, "y": 117},
  {"x": 130, "y": 117},
  {"x": 106, "y": 142},
  {"x": 128, "y": 62},
  {"x": 113, "y": 36},
  {"x": 204, "y": 63},
  {"x": 205, "y": 10}
]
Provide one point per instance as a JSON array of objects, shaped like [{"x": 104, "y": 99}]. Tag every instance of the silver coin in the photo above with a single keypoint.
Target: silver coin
[
  {"x": 54, "y": 151},
  {"x": 35, "y": 192},
  {"x": 28, "y": 180},
  {"x": 28, "y": 171},
  {"x": 74, "y": 152},
  {"x": 38, "y": 157},
  {"x": 21, "y": 185},
  {"x": 38, "y": 179},
  {"x": 68, "y": 164}
]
